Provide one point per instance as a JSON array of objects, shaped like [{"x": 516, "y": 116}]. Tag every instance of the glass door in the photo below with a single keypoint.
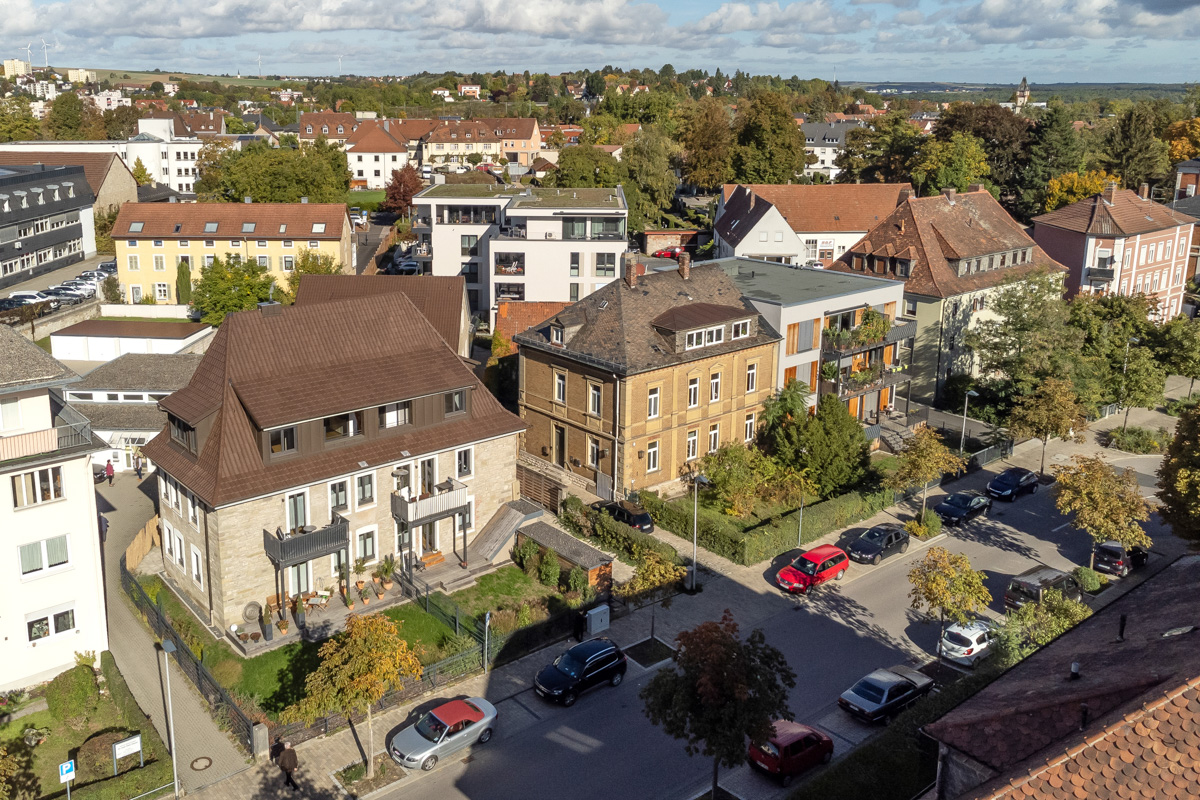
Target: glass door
[
  {"x": 429, "y": 537},
  {"x": 298, "y": 579}
]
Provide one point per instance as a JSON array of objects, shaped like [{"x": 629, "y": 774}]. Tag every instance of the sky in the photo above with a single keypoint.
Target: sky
[{"x": 992, "y": 41}]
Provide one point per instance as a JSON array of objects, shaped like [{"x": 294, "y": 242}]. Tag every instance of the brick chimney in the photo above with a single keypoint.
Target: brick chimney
[
  {"x": 631, "y": 269},
  {"x": 975, "y": 187},
  {"x": 685, "y": 265},
  {"x": 1144, "y": 191},
  {"x": 904, "y": 195},
  {"x": 949, "y": 192}
]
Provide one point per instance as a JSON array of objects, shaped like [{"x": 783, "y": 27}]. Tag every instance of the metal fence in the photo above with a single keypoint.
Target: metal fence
[
  {"x": 1106, "y": 411},
  {"x": 439, "y": 606},
  {"x": 975, "y": 462},
  {"x": 223, "y": 706}
]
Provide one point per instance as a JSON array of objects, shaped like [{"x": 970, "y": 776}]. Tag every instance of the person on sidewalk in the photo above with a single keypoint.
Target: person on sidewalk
[
  {"x": 137, "y": 464},
  {"x": 108, "y": 471},
  {"x": 289, "y": 762}
]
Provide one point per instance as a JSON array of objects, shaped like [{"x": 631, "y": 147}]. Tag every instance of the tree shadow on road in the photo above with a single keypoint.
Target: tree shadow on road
[
  {"x": 990, "y": 532},
  {"x": 273, "y": 785},
  {"x": 829, "y": 601}
]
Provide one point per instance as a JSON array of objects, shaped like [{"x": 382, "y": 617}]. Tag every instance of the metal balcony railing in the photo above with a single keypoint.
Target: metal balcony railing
[
  {"x": 1102, "y": 274},
  {"x": 871, "y": 381},
  {"x": 843, "y": 342},
  {"x": 448, "y": 497},
  {"x": 73, "y": 430},
  {"x": 286, "y": 549}
]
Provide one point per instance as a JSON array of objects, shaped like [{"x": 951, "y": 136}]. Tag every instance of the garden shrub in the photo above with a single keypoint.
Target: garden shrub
[
  {"x": 932, "y": 523},
  {"x": 228, "y": 672},
  {"x": 577, "y": 580},
  {"x": 549, "y": 571},
  {"x": 73, "y": 695},
  {"x": 1142, "y": 441},
  {"x": 1088, "y": 579},
  {"x": 627, "y": 541},
  {"x": 94, "y": 758},
  {"x": 525, "y": 553},
  {"x": 524, "y": 616},
  {"x": 454, "y": 643},
  {"x": 1176, "y": 407},
  {"x": 574, "y": 516}
]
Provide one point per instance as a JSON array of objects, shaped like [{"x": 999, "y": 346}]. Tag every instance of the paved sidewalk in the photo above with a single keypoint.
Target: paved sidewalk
[{"x": 205, "y": 753}]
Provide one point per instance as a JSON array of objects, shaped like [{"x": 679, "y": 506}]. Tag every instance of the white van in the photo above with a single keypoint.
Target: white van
[{"x": 427, "y": 171}]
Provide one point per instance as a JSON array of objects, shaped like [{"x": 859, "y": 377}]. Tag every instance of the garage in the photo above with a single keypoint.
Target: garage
[{"x": 106, "y": 339}]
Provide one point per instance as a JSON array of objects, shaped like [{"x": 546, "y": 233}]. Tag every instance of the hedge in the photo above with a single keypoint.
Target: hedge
[
  {"x": 629, "y": 543},
  {"x": 719, "y": 534}
]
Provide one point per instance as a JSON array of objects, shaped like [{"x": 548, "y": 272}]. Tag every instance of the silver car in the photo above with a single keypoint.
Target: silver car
[
  {"x": 969, "y": 644},
  {"x": 442, "y": 732}
]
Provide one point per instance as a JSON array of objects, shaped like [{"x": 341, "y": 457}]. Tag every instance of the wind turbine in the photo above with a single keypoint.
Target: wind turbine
[
  {"x": 340, "y": 65},
  {"x": 260, "y": 67},
  {"x": 29, "y": 55},
  {"x": 46, "y": 52}
]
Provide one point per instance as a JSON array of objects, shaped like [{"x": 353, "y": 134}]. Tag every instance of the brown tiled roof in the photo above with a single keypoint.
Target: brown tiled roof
[
  {"x": 616, "y": 322},
  {"x": 96, "y": 166},
  {"x": 373, "y": 136},
  {"x": 122, "y": 416},
  {"x": 330, "y": 118},
  {"x": 180, "y": 128},
  {"x": 466, "y": 130},
  {"x": 695, "y": 315},
  {"x": 512, "y": 127},
  {"x": 439, "y": 298},
  {"x": 274, "y": 366},
  {"x": 931, "y": 231},
  {"x": 1114, "y": 212},
  {"x": 1142, "y": 738},
  {"x": 149, "y": 372},
  {"x": 841, "y": 207},
  {"x": 132, "y": 328},
  {"x": 159, "y": 220},
  {"x": 204, "y": 121},
  {"x": 517, "y": 316},
  {"x": 410, "y": 130}
]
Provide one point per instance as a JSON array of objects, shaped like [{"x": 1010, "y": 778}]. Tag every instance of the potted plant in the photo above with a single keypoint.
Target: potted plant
[
  {"x": 350, "y": 601},
  {"x": 343, "y": 578},
  {"x": 360, "y": 567},
  {"x": 387, "y": 568},
  {"x": 829, "y": 371},
  {"x": 365, "y": 596},
  {"x": 283, "y": 626},
  {"x": 268, "y": 630}
]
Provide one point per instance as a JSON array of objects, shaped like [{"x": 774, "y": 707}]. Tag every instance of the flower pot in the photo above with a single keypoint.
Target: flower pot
[
  {"x": 268, "y": 631},
  {"x": 377, "y": 580},
  {"x": 387, "y": 586},
  {"x": 361, "y": 584},
  {"x": 366, "y": 600},
  {"x": 283, "y": 627},
  {"x": 254, "y": 637},
  {"x": 244, "y": 637},
  {"x": 350, "y": 605}
]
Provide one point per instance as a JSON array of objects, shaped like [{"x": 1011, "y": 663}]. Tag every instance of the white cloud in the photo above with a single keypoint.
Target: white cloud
[{"x": 816, "y": 17}]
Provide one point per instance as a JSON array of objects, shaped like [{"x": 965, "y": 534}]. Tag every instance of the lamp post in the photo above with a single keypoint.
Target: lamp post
[
  {"x": 1124, "y": 383},
  {"x": 962, "y": 441},
  {"x": 696, "y": 481},
  {"x": 168, "y": 647},
  {"x": 800, "y": 525}
]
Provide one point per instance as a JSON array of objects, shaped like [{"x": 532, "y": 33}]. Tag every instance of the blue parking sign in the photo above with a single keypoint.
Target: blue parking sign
[{"x": 66, "y": 771}]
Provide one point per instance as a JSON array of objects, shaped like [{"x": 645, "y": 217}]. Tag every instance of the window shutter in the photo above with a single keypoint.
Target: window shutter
[
  {"x": 816, "y": 338},
  {"x": 793, "y": 338},
  {"x": 889, "y": 311}
]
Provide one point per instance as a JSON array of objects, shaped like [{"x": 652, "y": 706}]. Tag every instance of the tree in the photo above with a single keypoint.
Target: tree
[
  {"x": 884, "y": 153},
  {"x": 1107, "y": 505},
  {"x": 68, "y": 117},
  {"x": 782, "y": 422},
  {"x": 769, "y": 146},
  {"x": 400, "y": 190},
  {"x": 925, "y": 458},
  {"x": 1035, "y": 625},
  {"x": 707, "y": 142},
  {"x": 141, "y": 174},
  {"x": 272, "y": 175},
  {"x": 833, "y": 448},
  {"x": 1004, "y": 135},
  {"x": 183, "y": 283},
  {"x": 1183, "y": 140},
  {"x": 737, "y": 473},
  {"x": 1055, "y": 149},
  {"x": 1132, "y": 150},
  {"x": 120, "y": 123},
  {"x": 1179, "y": 348},
  {"x": 308, "y": 262},
  {"x": 583, "y": 167},
  {"x": 17, "y": 124},
  {"x": 226, "y": 286},
  {"x": 157, "y": 87},
  {"x": 1071, "y": 187},
  {"x": 719, "y": 691},
  {"x": 358, "y": 667},
  {"x": 646, "y": 166},
  {"x": 102, "y": 223},
  {"x": 1179, "y": 478},
  {"x": 594, "y": 84},
  {"x": 1051, "y": 412},
  {"x": 945, "y": 582},
  {"x": 1140, "y": 382},
  {"x": 957, "y": 163},
  {"x": 111, "y": 289}
]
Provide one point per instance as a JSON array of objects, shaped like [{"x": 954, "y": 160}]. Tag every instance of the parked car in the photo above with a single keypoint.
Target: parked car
[
  {"x": 442, "y": 732},
  {"x": 29, "y": 297},
  {"x": 812, "y": 568},
  {"x": 792, "y": 749},
  {"x": 96, "y": 276},
  {"x": 668, "y": 252},
  {"x": 485, "y": 167},
  {"x": 879, "y": 542},
  {"x": 585, "y": 665},
  {"x": 962, "y": 507},
  {"x": 69, "y": 288},
  {"x": 968, "y": 644},
  {"x": 65, "y": 295},
  {"x": 630, "y": 513},
  {"x": 885, "y": 693},
  {"x": 1117, "y": 559},
  {"x": 85, "y": 286},
  {"x": 1012, "y": 483},
  {"x": 1030, "y": 585},
  {"x": 109, "y": 266},
  {"x": 10, "y": 303}
]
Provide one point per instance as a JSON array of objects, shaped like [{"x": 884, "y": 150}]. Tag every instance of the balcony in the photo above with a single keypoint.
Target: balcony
[
  {"x": 286, "y": 549},
  {"x": 448, "y": 498},
  {"x": 71, "y": 429},
  {"x": 422, "y": 250},
  {"x": 1101, "y": 275},
  {"x": 514, "y": 232},
  {"x": 510, "y": 263},
  {"x": 867, "y": 380},
  {"x": 420, "y": 222},
  {"x": 841, "y": 343}
]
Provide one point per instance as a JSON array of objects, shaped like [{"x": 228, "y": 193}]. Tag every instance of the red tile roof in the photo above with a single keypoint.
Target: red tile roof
[
  {"x": 840, "y": 207},
  {"x": 513, "y": 317},
  {"x": 332, "y": 119},
  {"x": 271, "y": 220},
  {"x": 373, "y": 136},
  {"x": 1114, "y": 212}
]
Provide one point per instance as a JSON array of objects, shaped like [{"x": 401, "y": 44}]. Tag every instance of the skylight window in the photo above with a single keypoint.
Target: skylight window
[
  {"x": 283, "y": 228},
  {"x": 318, "y": 227},
  {"x": 210, "y": 227},
  {"x": 136, "y": 227},
  {"x": 247, "y": 227}
]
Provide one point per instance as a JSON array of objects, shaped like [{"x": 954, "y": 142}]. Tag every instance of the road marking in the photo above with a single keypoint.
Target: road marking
[{"x": 1060, "y": 527}]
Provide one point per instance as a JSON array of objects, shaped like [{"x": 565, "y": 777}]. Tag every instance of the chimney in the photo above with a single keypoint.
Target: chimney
[
  {"x": 1144, "y": 191},
  {"x": 246, "y": 200},
  {"x": 685, "y": 265},
  {"x": 631, "y": 270},
  {"x": 303, "y": 199},
  {"x": 975, "y": 187},
  {"x": 949, "y": 192},
  {"x": 902, "y": 224},
  {"x": 905, "y": 194},
  {"x": 752, "y": 201}
]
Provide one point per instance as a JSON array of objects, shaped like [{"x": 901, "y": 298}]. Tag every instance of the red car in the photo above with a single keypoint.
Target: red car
[
  {"x": 669, "y": 252},
  {"x": 822, "y": 563},
  {"x": 793, "y": 749}
]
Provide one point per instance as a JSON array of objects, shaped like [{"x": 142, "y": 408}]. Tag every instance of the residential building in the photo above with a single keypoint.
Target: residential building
[
  {"x": 1187, "y": 178},
  {"x": 45, "y": 220},
  {"x": 107, "y": 101},
  {"x": 1108, "y": 709},
  {"x": 53, "y": 600},
  {"x": 374, "y": 152},
  {"x": 444, "y": 94},
  {"x": 506, "y": 141},
  {"x": 826, "y": 140},
  {"x": 153, "y": 239},
  {"x": 111, "y": 182},
  {"x": 628, "y": 387},
  {"x": 514, "y": 243},
  {"x": 953, "y": 252},
  {"x": 515, "y": 316},
  {"x": 441, "y": 300},
  {"x": 15, "y": 67},
  {"x": 797, "y": 224},
  {"x": 334, "y": 126},
  {"x": 817, "y": 312},
  {"x": 1191, "y": 207},
  {"x": 285, "y": 457},
  {"x": 120, "y": 399},
  {"x": 470, "y": 90},
  {"x": 1120, "y": 242},
  {"x": 81, "y": 76}
]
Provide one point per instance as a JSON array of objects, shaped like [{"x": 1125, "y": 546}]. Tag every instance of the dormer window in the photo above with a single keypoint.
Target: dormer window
[
  {"x": 456, "y": 401},
  {"x": 395, "y": 414},
  {"x": 741, "y": 329},
  {"x": 283, "y": 441},
  {"x": 340, "y": 129},
  {"x": 556, "y": 335},
  {"x": 324, "y": 129},
  {"x": 342, "y": 426},
  {"x": 182, "y": 434}
]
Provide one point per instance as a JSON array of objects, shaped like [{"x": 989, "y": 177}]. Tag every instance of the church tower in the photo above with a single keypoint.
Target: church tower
[{"x": 1022, "y": 93}]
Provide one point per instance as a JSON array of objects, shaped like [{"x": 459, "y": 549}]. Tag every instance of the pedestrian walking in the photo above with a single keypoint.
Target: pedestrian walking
[
  {"x": 137, "y": 464},
  {"x": 108, "y": 471},
  {"x": 289, "y": 762}
]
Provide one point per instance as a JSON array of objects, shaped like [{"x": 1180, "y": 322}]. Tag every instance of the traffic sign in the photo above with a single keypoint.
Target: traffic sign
[{"x": 66, "y": 771}]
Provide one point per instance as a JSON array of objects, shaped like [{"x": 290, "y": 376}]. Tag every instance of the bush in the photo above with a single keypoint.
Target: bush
[
  {"x": 228, "y": 672},
  {"x": 73, "y": 695},
  {"x": 526, "y": 553},
  {"x": 549, "y": 571},
  {"x": 1088, "y": 579},
  {"x": 628, "y": 541},
  {"x": 1176, "y": 407},
  {"x": 452, "y": 644},
  {"x": 927, "y": 527},
  {"x": 577, "y": 580},
  {"x": 1139, "y": 440}
]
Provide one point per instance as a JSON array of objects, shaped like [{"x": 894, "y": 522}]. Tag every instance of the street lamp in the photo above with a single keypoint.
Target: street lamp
[
  {"x": 1124, "y": 380},
  {"x": 962, "y": 441},
  {"x": 696, "y": 481},
  {"x": 168, "y": 647}
]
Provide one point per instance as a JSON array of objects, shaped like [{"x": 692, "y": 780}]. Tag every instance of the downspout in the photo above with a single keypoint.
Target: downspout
[
  {"x": 937, "y": 375},
  {"x": 616, "y": 429},
  {"x": 208, "y": 564}
]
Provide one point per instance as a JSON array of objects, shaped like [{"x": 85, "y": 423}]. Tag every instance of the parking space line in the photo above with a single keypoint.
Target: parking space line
[{"x": 1060, "y": 527}]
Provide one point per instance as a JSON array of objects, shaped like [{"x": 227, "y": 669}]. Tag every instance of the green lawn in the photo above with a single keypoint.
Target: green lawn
[
  {"x": 43, "y": 343},
  {"x": 366, "y": 199},
  {"x": 119, "y": 76},
  {"x": 422, "y": 631},
  {"x": 507, "y": 587}
]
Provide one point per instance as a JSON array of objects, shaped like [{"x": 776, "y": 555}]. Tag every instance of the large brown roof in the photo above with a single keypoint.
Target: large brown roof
[
  {"x": 440, "y": 299},
  {"x": 1142, "y": 737},
  {"x": 930, "y": 232},
  {"x": 332, "y": 119},
  {"x": 694, "y": 315},
  {"x": 517, "y": 316},
  {"x": 132, "y": 328},
  {"x": 835, "y": 207},
  {"x": 96, "y": 166},
  {"x": 512, "y": 127},
  {"x": 24, "y": 364},
  {"x": 273, "y": 366},
  {"x": 271, "y": 220},
  {"x": 374, "y": 136},
  {"x": 1114, "y": 212},
  {"x": 148, "y": 372}
]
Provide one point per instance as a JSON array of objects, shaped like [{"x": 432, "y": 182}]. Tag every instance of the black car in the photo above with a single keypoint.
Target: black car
[
  {"x": 9, "y": 304},
  {"x": 878, "y": 542},
  {"x": 1012, "y": 483},
  {"x": 631, "y": 514},
  {"x": 109, "y": 266},
  {"x": 1117, "y": 559},
  {"x": 585, "y": 665},
  {"x": 1031, "y": 585},
  {"x": 885, "y": 693},
  {"x": 961, "y": 507}
]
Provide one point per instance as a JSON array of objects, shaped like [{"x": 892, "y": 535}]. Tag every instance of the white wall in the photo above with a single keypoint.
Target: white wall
[
  {"x": 386, "y": 163},
  {"x": 159, "y": 311}
]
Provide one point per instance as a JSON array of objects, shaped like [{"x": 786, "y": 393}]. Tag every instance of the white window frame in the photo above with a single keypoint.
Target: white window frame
[
  {"x": 595, "y": 399},
  {"x": 560, "y": 387},
  {"x": 653, "y": 407},
  {"x": 714, "y": 437},
  {"x": 359, "y": 506},
  {"x": 593, "y": 452},
  {"x": 752, "y": 377},
  {"x": 132, "y": 263},
  {"x": 652, "y": 461},
  {"x": 693, "y": 392},
  {"x": 714, "y": 387},
  {"x": 373, "y": 530},
  {"x": 751, "y": 425},
  {"x": 391, "y": 414},
  {"x": 48, "y": 614},
  {"x": 162, "y": 292},
  {"x": 45, "y": 569},
  {"x": 693, "y": 445},
  {"x": 179, "y": 548},
  {"x": 470, "y": 451},
  {"x": 36, "y": 500},
  {"x": 196, "y": 573},
  {"x": 168, "y": 541},
  {"x": 741, "y": 329}
]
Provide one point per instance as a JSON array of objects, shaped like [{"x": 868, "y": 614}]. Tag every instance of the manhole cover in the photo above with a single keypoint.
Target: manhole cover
[{"x": 202, "y": 763}]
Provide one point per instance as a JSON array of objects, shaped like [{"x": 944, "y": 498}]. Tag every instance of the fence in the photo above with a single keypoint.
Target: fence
[
  {"x": 222, "y": 704},
  {"x": 146, "y": 538},
  {"x": 439, "y": 606},
  {"x": 975, "y": 462},
  {"x": 1106, "y": 411}
]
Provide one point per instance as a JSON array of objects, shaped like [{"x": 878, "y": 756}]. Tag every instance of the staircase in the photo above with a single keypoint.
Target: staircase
[
  {"x": 497, "y": 536},
  {"x": 433, "y": 559}
]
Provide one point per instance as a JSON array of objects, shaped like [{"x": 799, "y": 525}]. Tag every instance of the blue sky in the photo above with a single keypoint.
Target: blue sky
[{"x": 994, "y": 41}]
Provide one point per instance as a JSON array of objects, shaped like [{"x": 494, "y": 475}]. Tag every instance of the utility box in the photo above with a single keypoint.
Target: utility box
[{"x": 597, "y": 619}]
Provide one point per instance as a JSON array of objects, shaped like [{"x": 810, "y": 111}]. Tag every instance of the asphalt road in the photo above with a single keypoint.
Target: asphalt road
[{"x": 830, "y": 639}]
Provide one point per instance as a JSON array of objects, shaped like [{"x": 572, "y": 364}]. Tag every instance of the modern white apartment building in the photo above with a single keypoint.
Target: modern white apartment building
[
  {"x": 521, "y": 244},
  {"x": 52, "y": 595}
]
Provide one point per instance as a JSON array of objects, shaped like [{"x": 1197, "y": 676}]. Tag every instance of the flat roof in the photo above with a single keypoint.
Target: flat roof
[
  {"x": 537, "y": 197},
  {"x": 788, "y": 285},
  {"x": 133, "y": 328}
]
